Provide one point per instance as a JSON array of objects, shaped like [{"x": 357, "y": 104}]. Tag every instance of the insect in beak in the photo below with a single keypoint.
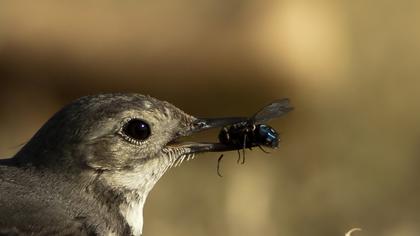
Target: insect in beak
[{"x": 239, "y": 133}]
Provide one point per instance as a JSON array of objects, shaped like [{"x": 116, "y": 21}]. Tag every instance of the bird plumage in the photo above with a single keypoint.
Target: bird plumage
[{"x": 79, "y": 176}]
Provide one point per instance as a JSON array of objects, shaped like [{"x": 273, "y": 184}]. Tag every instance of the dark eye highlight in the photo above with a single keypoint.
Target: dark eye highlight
[{"x": 136, "y": 129}]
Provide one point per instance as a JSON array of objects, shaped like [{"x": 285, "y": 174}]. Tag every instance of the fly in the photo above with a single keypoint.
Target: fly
[{"x": 253, "y": 132}]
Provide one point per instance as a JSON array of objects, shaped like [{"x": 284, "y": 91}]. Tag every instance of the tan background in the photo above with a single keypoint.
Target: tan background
[{"x": 349, "y": 155}]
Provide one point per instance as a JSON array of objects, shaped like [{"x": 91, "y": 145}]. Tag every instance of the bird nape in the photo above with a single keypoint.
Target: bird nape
[{"x": 89, "y": 169}]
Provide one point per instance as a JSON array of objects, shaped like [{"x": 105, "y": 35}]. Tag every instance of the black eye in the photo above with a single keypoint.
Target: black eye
[{"x": 136, "y": 129}]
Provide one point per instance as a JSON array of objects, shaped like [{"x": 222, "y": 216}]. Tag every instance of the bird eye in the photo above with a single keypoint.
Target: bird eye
[{"x": 136, "y": 129}]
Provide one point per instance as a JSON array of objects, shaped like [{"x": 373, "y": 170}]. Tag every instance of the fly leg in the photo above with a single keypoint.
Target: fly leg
[
  {"x": 243, "y": 150},
  {"x": 239, "y": 156},
  {"x": 262, "y": 149},
  {"x": 218, "y": 166}
]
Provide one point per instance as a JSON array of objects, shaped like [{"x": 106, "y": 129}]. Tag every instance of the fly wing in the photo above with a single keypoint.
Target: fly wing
[{"x": 275, "y": 109}]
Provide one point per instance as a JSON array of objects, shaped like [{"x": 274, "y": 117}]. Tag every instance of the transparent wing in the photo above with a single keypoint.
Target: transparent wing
[{"x": 275, "y": 109}]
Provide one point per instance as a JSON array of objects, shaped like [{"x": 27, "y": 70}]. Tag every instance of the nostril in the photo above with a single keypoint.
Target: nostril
[{"x": 200, "y": 124}]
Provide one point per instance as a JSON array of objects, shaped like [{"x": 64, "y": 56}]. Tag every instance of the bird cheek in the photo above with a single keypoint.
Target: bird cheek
[{"x": 105, "y": 155}]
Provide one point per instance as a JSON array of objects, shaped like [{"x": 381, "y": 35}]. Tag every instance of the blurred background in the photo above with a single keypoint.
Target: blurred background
[{"x": 349, "y": 155}]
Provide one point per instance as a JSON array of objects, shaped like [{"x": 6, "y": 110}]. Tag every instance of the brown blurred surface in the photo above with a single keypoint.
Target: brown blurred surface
[{"x": 349, "y": 153}]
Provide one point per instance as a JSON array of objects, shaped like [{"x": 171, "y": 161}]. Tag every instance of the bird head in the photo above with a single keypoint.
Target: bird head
[{"x": 124, "y": 135}]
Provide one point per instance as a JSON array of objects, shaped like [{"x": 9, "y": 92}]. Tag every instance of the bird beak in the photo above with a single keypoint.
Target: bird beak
[{"x": 201, "y": 124}]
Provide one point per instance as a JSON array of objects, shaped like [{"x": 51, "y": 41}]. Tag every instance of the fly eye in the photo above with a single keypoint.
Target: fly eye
[{"x": 136, "y": 129}]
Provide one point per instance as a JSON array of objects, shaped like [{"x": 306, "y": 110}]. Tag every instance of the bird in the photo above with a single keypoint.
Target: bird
[{"x": 89, "y": 169}]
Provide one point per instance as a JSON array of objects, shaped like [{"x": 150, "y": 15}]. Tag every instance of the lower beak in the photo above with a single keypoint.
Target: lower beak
[{"x": 208, "y": 147}]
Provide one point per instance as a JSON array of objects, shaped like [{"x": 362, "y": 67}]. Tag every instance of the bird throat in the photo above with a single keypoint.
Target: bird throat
[{"x": 132, "y": 187}]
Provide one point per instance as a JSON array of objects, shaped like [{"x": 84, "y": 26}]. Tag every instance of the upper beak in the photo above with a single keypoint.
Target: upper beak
[
  {"x": 207, "y": 123},
  {"x": 202, "y": 124}
]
